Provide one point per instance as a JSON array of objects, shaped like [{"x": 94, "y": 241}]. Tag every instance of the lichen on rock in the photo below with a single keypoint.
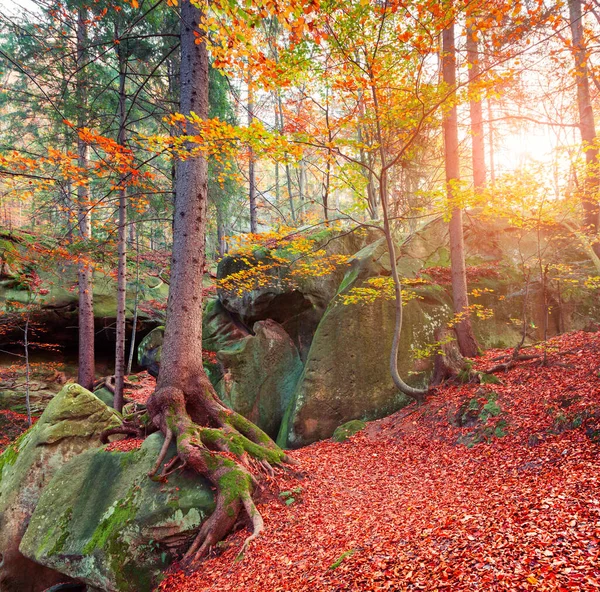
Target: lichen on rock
[
  {"x": 102, "y": 521},
  {"x": 72, "y": 423}
]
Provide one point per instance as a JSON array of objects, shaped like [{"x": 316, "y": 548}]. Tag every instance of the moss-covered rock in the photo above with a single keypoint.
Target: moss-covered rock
[
  {"x": 101, "y": 520},
  {"x": 347, "y": 430},
  {"x": 105, "y": 396},
  {"x": 254, "y": 373},
  {"x": 219, "y": 329},
  {"x": 56, "y": 313},
  {"x": 347, "y": 373},
  {"x": 149, "y": 350},
  {"x": 260, "y": 375},
  {"x": 71, "y": 423},
  {"x": 15, "y": 400}
]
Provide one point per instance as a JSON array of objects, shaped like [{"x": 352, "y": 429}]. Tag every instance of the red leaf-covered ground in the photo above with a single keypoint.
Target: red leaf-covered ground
[
  {"x": 141, "y": 389},
  {"x": 405, "y": 506},
  {"x": 12, "y": 425}
]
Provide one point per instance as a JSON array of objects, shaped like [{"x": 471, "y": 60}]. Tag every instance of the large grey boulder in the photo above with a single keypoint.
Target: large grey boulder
[
  {"x": 347, "y": 374},
  {"x": 72, "y": 423}
]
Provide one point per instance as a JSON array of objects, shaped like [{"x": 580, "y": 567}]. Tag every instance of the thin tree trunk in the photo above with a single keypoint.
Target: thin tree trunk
[
  {"x": 132, "y": 233},
  {"x": 135, "y": 305},
  {"x": 476, "y": 112},
  {"x": 326, "y": 185},
  {"x": 69, "y": 212},
  {"x": 122, "y": 244},
  {"x": 586, "y": 122},
  {"x": 491, "y": 133},
  {"x": 221, "y": 239},
  {"x": 301, "y": 188},
  {"x": 327, "y": 181},
  {"x": 86, "y": 370},
  {"x": 27, "y": 369},
  {"x": 288, "y": 172},
  {"x": 251, "y": 163},
  {"x": 417, "y": 394},
  {"x": 277, "y": 187},
  {"x": 464, "y": 331},
  {"x": 367, "y": 164}
]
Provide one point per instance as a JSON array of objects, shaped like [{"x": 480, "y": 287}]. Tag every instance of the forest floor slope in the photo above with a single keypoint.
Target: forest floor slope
[{"x": 484, "y": 487}]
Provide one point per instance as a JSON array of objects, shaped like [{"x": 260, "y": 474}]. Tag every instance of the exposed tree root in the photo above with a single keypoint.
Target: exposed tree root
[
  {"x": 221, "y": 445},
  {"x": 163, "y": 452},
  {"x": 512, "y": 361},
  {"x": 448, "y": 362},
  {"x": 134, "y": 431},
  {"x": 108, "y": 382}
]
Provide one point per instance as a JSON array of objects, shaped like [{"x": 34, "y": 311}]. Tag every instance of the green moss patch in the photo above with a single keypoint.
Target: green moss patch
[{"x": 345, "y": 431}]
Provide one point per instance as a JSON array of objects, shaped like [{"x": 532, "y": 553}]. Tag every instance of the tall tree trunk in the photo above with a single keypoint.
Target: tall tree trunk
[
  {"x": 586, "y": 122},
  {"x": 367, "y": 165},
  {"x": 491, "y": 142},
  {"x": 185, "y": 407},
  {"x": 221, "y": 235},
  {"x": 279, "y": 122},
  {"x": 288, "y": 172},
  {"x": 122, "y": 243},
  {"x": 327, "y": 180},
  {"x": 86, "y": 370},
  {"x": 301, "y": 188},
  {"x": 132, "y": 234},
  {"x": 476, "y": 112},
  {"x": 464, "y": 331},
  {"x": 27, "y": 368},
  {"x": 326, "y": 185},
  {"x": 251, "y": 174}
]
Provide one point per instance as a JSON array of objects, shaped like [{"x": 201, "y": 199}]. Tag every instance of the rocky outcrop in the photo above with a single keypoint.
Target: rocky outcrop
[
  {"x": 254, "y": 373},
  {"x": 54, "y": 314},
  {"x": 260, "y": 374},
  {"x": 72, "y": 423},
  {"x": 14, "y": 397},
  {"x": 347, "y": 375},
  {"x": 296, "y": 304},
  {"x": 149, "y": 350},
  {"x": 102, "y": 521},
  {"x": 344, "y": 347}
]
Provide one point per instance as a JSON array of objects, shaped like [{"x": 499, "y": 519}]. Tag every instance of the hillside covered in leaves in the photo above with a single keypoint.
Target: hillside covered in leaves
[{"x": 484, "y": 487}]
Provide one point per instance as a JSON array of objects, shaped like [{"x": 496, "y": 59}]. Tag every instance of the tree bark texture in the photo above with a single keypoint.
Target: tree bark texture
[
  {"x": 464, "y": 331},
  {"x": 211, "y": 439},
  {"x": 251, "y": 164},
  {"x": 476, "y": 112},
  {"x": 86, "y": 369},
  {"x": 288, "y": 172},
  {"x": 587, "y": 128},
  {"x": 122, "y": 244}
]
